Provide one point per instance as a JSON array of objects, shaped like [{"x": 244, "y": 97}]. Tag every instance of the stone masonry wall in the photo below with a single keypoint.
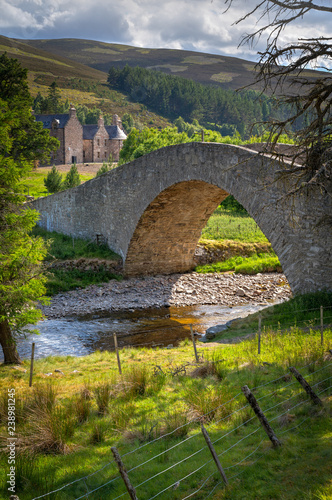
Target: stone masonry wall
[{"x": 139, "y": 206}]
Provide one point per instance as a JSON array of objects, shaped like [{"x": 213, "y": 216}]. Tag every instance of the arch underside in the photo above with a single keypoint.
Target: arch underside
[{"x": 168, "y": 231}]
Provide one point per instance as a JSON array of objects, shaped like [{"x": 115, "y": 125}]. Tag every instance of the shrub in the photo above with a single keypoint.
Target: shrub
[
  {"x": 72, "y": 178},
  {"x": 103, "y": 169},
  {"x": 48, "y": 431},
  {"x": 53, "y": 181},
  {"x": 103, "y": 395}
]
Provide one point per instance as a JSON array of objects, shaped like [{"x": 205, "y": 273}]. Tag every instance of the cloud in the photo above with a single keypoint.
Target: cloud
[{"x": 201, "y": 25}]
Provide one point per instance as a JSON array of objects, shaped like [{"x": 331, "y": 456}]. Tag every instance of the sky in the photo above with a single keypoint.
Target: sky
[{"x": 199, "y": 25}]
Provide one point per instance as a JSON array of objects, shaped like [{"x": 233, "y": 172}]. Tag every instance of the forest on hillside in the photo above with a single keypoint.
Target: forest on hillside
[{"x": 214, "y": 107}]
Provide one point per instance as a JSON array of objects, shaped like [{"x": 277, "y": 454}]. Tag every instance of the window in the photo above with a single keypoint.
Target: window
[
  {"x": 105, "y": 142},
  {"x": 98, "y": 142},
  {"x": 105, "y": 155},
  {"x": 98, "y": 155}
]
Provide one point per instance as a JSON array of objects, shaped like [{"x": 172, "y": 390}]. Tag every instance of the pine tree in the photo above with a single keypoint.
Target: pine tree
[
  {"x": 72, "y": 178},
  {"x": 53, "y": 181},
  {"x": 23, "y": 140}
]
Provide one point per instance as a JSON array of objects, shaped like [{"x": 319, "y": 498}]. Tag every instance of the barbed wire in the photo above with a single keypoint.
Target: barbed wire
[{"x": 198, "y": 433}]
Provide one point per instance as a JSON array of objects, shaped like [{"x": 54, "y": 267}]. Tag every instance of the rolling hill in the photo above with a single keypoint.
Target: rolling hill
[
  {"x": 227, "y": 72},
  {"x": 79, "y": 83}
]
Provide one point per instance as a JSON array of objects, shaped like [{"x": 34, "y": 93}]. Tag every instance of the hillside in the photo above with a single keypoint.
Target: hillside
[
  {"x": 227, "y": 72},
  {"x": 78, "y": 83}
]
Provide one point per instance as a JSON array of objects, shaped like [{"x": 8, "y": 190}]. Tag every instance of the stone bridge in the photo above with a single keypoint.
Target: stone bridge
[{"x": 151, "y": 211}]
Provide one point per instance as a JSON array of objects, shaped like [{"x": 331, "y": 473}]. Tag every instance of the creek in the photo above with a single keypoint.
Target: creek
[{"x": 80, "y": 336}]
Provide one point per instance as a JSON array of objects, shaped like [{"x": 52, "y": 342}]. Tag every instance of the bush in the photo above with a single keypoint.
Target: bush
[
  {"x": 103, "y": 169},
  {"x": 53, "y": 181},
  {"x": 72, "y": 178}
]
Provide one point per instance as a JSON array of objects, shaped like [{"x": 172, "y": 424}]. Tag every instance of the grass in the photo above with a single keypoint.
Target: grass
[
  {"x": 258, "y": 263},
  {"x": 231, "y": 225},
  {"x": 301, "y": 310},
  {"x": 34, "y": 184},
  {"x": 92, "y": 258},
  {"x": 70, "y": 442},
  {"x": 65, "y": 247},
  {"x": 71, "y": 279}
]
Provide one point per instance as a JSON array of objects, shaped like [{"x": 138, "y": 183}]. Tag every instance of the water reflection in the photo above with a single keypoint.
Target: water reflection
[{"x": 81, "y": 336}]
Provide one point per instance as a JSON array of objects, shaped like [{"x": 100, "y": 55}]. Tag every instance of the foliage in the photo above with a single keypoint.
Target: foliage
[
  {"x": 258, "y": 263},
  {"x": 139, "y": 143},
  {"x": 22, "y": 141},
  {"x": 64, "y": 280},
  {"x": 53, "y": 181},
  {"x": 172, "y": 96},
  {"x": 103, "y": 169},
  {"x": 62, "y": 246},
  {"x": 285, "y": 66},
  {"x": 72, "y": 178},
  {"x": 231, "y": 225},
  {"x": 169, "y": 410}
]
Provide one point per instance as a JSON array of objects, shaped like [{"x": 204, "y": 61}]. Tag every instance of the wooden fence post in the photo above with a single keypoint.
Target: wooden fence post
[
  {"x": 316, "y": 400},
  {"x": 31, "y": 364},
  {"x": 262, "y": 418},
  {"x": 194, "y": 343},
  {"x": 321, "y": 325},
  {"x": 124, "y": 474},
  {"x": 259, "y": 332},
  {"x": 117, "y": 352},
  {"x": 214, "y": 454}
]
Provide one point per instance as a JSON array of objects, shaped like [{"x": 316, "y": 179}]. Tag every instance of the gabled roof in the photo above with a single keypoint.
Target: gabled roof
[
  {"x": 115, "y": 132},
  {"x": 89, "y": 131},
  {"x": 48, "y": 119}
]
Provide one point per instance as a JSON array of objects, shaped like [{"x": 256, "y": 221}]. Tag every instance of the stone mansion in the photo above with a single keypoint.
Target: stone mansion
[{"x": 83, "y": 143}]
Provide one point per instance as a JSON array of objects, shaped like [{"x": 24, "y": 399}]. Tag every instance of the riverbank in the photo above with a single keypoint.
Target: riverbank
[{"x": 226, "y": 289}]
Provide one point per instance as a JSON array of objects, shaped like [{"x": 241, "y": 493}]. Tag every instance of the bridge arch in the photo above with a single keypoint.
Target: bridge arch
[{"x": 151, "y": 210}]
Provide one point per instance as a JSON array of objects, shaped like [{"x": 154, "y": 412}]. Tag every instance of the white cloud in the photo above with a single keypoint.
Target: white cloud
[{"x": 201, "y": 25}]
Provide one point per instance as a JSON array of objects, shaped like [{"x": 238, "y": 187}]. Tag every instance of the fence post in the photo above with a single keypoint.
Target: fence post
[
  {"x": 316, "y": 400},
  {"x": 214, "y": 454},
  {"x": 194, "y": 343},
  {"x": 259, "y": 332},
  {"x": 117, "y": 352},
  {"x": 321, "y": 325},
  {"x": 31, "y": 364},
  {"x": 124, "y": 474},
  {"x": 262, "y": 418}
]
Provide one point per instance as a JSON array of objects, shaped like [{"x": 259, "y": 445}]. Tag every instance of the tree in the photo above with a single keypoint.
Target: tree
[
  {"x": 72, "y": 178},
  {"x": 281, "y": 69},
  {"x": 53, "y": 181},
  {"x": 53, "y": 98},
  {"x": 22, "y": 141}
]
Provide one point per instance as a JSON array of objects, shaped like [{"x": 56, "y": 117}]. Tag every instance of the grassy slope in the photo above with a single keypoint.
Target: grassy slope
[
  {"x": 78, "y": 83},
  {"x": 228, "y": 72},
  {"x": 143, "y": 407}
]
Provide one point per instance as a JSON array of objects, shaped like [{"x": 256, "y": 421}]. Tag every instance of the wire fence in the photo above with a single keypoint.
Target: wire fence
[{"x": 166, "y": 467}]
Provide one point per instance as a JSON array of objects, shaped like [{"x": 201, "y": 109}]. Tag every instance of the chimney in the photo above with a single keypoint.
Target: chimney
[
  {"x": 72, "y": 111},
  {"x": 116, "y": 120},
  {"x": 100, "y": 121}
]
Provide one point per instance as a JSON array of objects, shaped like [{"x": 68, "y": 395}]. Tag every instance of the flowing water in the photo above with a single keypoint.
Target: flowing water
[{"x": 81, "y": 336}]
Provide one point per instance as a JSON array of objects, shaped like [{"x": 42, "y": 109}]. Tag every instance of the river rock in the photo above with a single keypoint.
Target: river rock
[
  {"x": 177, "y": 290},
  {"x": 214, "y": 330}
]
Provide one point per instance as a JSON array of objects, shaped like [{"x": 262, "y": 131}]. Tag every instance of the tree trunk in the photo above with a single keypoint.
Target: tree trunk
[{"x": 8, "y": 345}]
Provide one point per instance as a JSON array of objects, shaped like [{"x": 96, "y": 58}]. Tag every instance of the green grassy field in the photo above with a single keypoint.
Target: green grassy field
[
  {"x": 68, "y": 422},
  {"x": 232, "y": 225}
]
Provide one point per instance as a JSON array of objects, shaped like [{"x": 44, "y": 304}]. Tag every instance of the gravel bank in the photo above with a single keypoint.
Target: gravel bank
[{"x": 176, "y": 290}]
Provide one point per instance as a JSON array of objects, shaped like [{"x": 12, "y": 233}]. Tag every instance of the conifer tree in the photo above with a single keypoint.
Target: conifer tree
[
  {"x": 53, "y": 181},
  {"x": 72, "y": 178}
]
